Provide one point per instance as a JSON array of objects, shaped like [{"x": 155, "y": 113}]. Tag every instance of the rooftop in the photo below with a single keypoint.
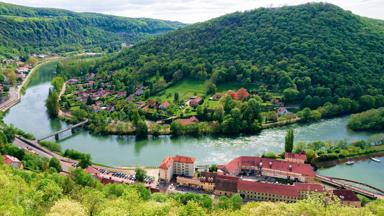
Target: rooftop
[
  {"x": 346, "y": 195},
  {"x": 267, "y": 163},
  {"x": 300, "y": 156},
  {"x": 168, "y": 161}
]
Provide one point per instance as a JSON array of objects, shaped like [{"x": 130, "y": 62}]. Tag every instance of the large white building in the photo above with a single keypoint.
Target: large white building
[{"x": 176, "y": 165}]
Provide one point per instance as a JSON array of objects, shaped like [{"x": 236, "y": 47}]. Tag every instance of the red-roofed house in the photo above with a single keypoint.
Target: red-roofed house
[
  {"x": 226, "y": 185},
  {"x": 347, "y": 197},
  {"x": 195, "y": 101},
  {"x": 176, "y": 165},
  {"x": 164, "y": 105},
  {"x": 12, "y": 161},
  {"x": 295, "y": 158},
  {"x": 188, "y": 121},
  {"x": 271, "y": 167}
]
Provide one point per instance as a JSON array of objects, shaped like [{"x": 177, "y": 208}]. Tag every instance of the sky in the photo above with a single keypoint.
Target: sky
[{"x": 191, "y": 11}]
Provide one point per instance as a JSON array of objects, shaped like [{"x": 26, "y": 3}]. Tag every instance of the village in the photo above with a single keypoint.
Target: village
[{"x": 99, "y": 95}]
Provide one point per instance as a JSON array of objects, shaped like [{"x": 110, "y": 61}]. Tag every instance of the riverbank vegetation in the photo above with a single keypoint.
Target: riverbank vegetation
[
  {"x": 371, "y": 120},
  {"x": 323, "y": 151},
  {"x": 80, "y": 194}
]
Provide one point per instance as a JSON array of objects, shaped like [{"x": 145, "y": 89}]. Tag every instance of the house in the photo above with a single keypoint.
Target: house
[
  {"x": 195, "y": 101},
  {"x": 164, "y": 105},
  {"x": 151, "y": 104},
  {"x": 12, "y": 161},
  {"x": 72, "y": 81},
  {"x": 347, "y": 197},
  {"x": 22, "y": 70},
  {"x": 295, "y": 158},
  {"x": 176, "y": 165},
  {"x": 226, "y": 185},
  {"x": 282, "y": 111},
  {"x": 277, "y": 103},
  {"x": 270, "y": 167},
  {"x": 188, "y": 121},
  {"x": 216, "y": 97}
]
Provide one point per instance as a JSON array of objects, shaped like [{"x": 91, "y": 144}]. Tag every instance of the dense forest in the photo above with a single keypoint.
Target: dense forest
[
  {"x": 24, "y": 30},
  {"x": 311, "y": 54}
]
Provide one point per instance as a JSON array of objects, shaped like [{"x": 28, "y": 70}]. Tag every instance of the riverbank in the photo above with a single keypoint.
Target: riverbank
[
  {"x": 332, "y": 163},
  {"x": 15, "y": 93}
]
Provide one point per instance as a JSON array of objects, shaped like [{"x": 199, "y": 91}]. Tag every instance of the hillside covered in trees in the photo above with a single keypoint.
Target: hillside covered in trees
[
  {"x": 26, "y": 29},
  {"x": 310, "y": 54}
]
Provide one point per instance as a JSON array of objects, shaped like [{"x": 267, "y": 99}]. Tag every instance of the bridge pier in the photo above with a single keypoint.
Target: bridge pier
[{"x": 56, "y": 137}]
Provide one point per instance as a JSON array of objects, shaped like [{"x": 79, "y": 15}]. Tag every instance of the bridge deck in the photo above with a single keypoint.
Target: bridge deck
[
  {"x": 335, "y": 182},
  {"x": 63, "y": 130}
]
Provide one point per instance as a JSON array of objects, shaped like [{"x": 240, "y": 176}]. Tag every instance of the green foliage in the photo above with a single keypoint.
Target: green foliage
[
  {"x": 311, "y": 54},
  {"x": 52, "y": 146},
  {"x": 369, "y": 120},
  {"x": 55, "y": 164},
  {"x": 82, "y": 178},
  {"x": 57, "y": 83},
  {"x": 84, "y": 159},
  {"x": 140, "y": 174},
  {"x": 289, "y": 140},
  {"x": 25, "y": 30},
  {"x": 52, "y": 104}
]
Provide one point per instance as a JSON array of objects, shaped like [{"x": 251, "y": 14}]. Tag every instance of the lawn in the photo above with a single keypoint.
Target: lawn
[
  {"x": 224, "y": 87},
  {"x": 185, "y": 88}
]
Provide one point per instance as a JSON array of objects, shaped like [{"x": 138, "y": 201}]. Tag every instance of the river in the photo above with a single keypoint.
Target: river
[{"x": 30, "y": 115}]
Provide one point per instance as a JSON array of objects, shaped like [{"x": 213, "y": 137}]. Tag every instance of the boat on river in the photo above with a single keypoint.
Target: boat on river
[
  {"x": 375, "y": 159},
  {"x": 350, "y": 162}
]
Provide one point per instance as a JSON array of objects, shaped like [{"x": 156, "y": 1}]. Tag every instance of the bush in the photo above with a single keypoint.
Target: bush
[{"x": 52, "y": 146}]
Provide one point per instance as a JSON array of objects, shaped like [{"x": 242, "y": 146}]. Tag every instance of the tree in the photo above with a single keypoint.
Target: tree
[
  {"x": 55, "y": 164},
  {"x": 289, "y": 140},
  {"x": 66, "y": 208},
  {"x": 176, "y": 97},
  {"x": 52, "y": 104},
  {"x": 85, "y": 161},
  {"x": 228, "y": 103},
  {"x": 140, "y": 174},
  {"x": 211, "y": 88},
  {"x": 290, "y": 94},
  {"x": 141, "y": 128}
]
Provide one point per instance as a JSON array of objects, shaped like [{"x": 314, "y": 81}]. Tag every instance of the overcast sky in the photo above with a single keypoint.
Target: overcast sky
[{"x": 190, "y": 11}]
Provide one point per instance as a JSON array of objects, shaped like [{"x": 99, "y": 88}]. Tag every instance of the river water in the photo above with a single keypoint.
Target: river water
[{"x": 30, "y": 115}]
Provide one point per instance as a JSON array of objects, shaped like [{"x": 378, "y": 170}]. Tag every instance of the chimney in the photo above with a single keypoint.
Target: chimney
[
  {"x": 290, "y": 167},
  {"x": 270, "y": 164}
]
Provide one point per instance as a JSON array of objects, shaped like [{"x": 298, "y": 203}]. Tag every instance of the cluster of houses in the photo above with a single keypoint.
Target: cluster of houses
[{"x": 232, "y": 178}]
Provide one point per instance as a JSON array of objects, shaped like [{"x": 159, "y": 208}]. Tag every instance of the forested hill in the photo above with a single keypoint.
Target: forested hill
[
  {"x": 317, "y": 49},
  {"x": 25, "y": 29}
]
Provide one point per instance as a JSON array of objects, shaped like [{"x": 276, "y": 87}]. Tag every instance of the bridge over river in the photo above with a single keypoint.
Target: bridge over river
[
  {"x": 56, "y": 134},
  {"x": 355, "y": 186}
]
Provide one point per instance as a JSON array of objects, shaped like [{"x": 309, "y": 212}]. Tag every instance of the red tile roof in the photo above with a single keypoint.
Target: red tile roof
[
  {"x": 188, "y": 120},
  {"x": 167, "y": 162},
  {"x": 8, "y": 159},
  {"x": 91, "y": 170},
  {"x": 184, "y": 159},
  {"x": 269, "y": 188},
  {"x": 250, "y": 161},
  {"x": 226, "y": 183},
  {"x": 279, "y": 189},
  {"x": 346, "y": 195},
  {"x": 300, "y": 156}
]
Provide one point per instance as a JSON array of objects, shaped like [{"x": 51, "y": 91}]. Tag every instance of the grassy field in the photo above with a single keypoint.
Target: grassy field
[
  {"x": 185, "y": 88},
  {"x": 235, "y": 86}
]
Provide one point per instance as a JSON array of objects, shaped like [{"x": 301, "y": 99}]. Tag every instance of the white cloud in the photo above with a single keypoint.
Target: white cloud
[{"x": 190, "y": 11}]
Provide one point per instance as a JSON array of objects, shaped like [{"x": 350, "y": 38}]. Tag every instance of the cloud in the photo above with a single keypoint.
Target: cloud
[{"x": 190, "y": 11}]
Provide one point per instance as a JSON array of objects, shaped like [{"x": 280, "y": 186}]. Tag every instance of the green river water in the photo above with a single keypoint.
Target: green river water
[{"x": 30, "y": 115}]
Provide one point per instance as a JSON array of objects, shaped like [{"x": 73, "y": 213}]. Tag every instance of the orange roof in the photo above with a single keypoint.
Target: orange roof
[
  {"x": 184, "y": 159},
  {"x": 8, "y": 159},
  {"x": 300, "y": 156},
  {"x": 168, "y": 161},
  {"x": 266, "y": 163}
]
